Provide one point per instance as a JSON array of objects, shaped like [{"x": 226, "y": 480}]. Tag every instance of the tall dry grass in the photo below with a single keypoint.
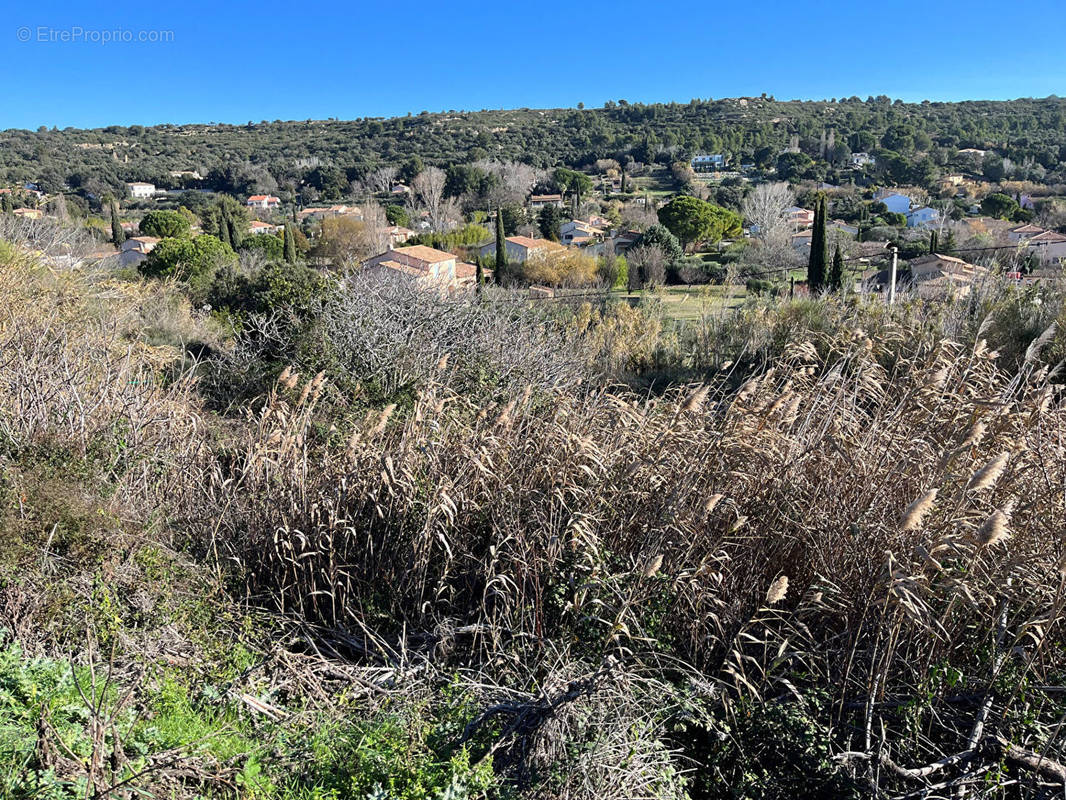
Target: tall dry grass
[{"x": 780, "y": 518}]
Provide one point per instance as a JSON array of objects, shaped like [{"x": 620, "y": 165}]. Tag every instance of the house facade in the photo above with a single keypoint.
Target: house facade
[
  {"x": 940, "y": 277},
  {"x": 541, "y": 200},
  {"x": 263, "y": 201},
  {"x": 1048, "y": 246},
  {"x": 521, "y": 248},
  {"x": 422, "y": 267},
  {"x": 923, "y": 217},
  {"x": 708, "y": 163},
  {"x": 140, "y": 191}
]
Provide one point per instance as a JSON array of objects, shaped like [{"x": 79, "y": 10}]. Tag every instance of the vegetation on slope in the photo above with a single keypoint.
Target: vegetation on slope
[{"x": 397, "y": 546}]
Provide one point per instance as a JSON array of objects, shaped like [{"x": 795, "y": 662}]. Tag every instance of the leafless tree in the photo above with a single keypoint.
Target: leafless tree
[
  {"x": 428, "y": 188},
  {"x": 514, "y": 181},
  {"x": 766, "y": 209},
  {"x": 380, "y": 180}
]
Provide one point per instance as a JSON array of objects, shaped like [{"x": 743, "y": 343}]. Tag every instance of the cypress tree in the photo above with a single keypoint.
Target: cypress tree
[
  {"x": 816, "y": 271},
  {"x": 6, "y": 205},
  {"x": 479, "y": 278},
  {"x": 501, "y": 248},
  {"x": 836, "y": 274},
  {"x": 290, "y": 244},
  {"x": 623, "y": 187},
  {"x": 223, "y": 226},
  {"x": 236, "y": 236},
  {"x": 118, "y": 236},
  {"x": 934, "y": 242}
]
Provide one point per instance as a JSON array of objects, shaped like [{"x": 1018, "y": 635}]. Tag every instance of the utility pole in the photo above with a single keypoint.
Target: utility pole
[{"x": 892, "y": 284}]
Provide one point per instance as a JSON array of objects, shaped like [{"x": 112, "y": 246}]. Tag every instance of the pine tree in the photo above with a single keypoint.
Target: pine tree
[
  {"x": 290, "y": 244},
  {"x": 816, "y": 266},
  {"x": 118, "y": 236},
  {"x": 836, "y": 273},
  {"x": 501, "y": 248}
]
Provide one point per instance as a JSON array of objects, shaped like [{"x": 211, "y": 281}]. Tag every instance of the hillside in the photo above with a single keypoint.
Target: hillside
[
  {"x": 915, "y": 138},
  {"x": 377, "y": 543}
]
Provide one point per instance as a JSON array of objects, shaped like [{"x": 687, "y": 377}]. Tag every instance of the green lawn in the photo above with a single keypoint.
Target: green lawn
[{"x": 681, "y": 303}]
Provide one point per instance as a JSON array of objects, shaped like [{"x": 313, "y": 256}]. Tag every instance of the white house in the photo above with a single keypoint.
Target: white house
[
  {"x": 860, "y": 160},
  {"x": 1048, "y": 246},
  {"x": 577, "y": 231},
  {"x": 263, "y": 201},
  {"x": 424, "y": 267},
  {"x": 708, "y": 163},
  {"x": 521, "y": 248},
  {"x": 923, "y": 217},
  {"x": 256, "y": 227},
  {"x": 894, "y": 201},
  {"x": 139, "y": 191}
]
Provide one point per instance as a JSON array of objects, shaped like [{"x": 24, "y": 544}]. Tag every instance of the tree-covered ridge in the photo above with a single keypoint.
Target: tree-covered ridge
[{"x": 912, "y": 138}]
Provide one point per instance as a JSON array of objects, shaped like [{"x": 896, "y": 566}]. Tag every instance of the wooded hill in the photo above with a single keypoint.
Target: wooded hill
[{"x": 914, "y": 142}]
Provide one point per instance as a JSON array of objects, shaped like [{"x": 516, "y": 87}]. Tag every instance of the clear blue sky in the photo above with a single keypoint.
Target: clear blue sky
[{"x": 241, "y": 61}]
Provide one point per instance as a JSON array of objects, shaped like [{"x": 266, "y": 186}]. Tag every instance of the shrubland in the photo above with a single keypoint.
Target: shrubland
[{"x": 377, "y": 543}]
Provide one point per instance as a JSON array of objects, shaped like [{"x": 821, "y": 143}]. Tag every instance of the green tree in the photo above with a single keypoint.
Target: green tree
[
  {"x": 836, "y": 272},
  {"x": 659, "y": 235},
  {"x": 1000, "y": 206},
  {"x": 501, "y": 249},
  {"x": 693, "y": 220},
  {"x": 118, "y": 236},
  {"x": 290, "y": 245},
  {"x": 266, "y": 243},
  {"x": 6, "y": 203},
  {"x": 397, "y": 215},
  {"x": 549, "y": 221},
  {"x": 165, "y": 224},
  {"x": 193, "y": 261},
  {"x": 816, "y": 272}
]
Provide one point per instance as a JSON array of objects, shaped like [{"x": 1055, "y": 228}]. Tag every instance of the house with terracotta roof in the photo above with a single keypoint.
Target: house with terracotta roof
[
  {"x": 1023, "y": 233},
  {"x": 521, "y": 248},
  {"x": 1048, "y": 246},
  {"x": 423, "y": 267},
  {"x": 136, "y": 249},
  {"x": 799, "y": 218},
  {"x": 938, "y": 276},
  {"x": 258, "y": 226},
  {"x": 580, "y": 232},
  {"x": 28, "y": 213},
  {"x": 398, "y": 234},
  {"x": 263, "y": 201},
  {"x": 540, "y": 200}
]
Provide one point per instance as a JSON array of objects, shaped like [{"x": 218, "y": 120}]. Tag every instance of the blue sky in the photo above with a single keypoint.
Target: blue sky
[{"x": 241, "y": 61}]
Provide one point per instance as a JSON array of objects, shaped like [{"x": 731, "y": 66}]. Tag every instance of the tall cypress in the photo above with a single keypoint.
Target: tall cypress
[
  {"x": 236, "y": 235},
  {"x": 6, "y": 205},
  {"x": 623, "y": 186},
  {"x": 934, "y": 242},
  {"x": 118, "y": 236},
  {"x": 836, "y": 273},
  {"x": 816, "y": 266},
  {"x": 223, "y": 226},
  {"x": 501, "y": 248},
  {"x": 290, "y": 244},
  {"x": 479, "y": 278}
]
